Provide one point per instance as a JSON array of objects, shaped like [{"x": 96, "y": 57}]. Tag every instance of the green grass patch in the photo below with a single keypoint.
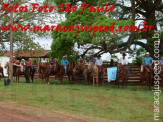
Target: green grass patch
[{"x": 109, "y": 102}]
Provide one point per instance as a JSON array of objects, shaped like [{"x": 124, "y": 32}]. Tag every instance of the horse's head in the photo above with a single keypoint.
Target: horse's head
[
  {"x": 76, "y": 68},
  {"x": 56, "y": 66},
  {"x": 142, "y": 68},
  {"x": 90, "y": 65},
  {"x": 6, "y": 65}
]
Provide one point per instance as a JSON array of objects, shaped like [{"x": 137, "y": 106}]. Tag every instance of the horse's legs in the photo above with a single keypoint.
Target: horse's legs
[
  {"x": 93, "y": 80},
  {"x": 97, "y": 80},
  {"x": 48, "y": 80}
]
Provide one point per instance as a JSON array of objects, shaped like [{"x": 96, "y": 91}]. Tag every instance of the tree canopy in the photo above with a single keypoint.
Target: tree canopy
[{"x": 128, "y": 12}]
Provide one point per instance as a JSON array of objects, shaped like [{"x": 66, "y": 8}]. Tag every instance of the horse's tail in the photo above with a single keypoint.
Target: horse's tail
[{"x": 3, "y": 74}]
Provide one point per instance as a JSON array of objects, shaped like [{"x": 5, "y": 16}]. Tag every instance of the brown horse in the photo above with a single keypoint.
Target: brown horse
[
  {"x": 145, "y": 76},
  {"x": 159, "y": 71},
  {"x": 44, "y": 71},
  {"x": 16, "y": 71},
  {"x": 78, "y": 71},
  {"x": 121, "y": 75},
  {"x": 95, "y": 72},
  {"x": 87, "y": 75},
  {"x": 71, "y": 66},
  {"x": 1, "y": 72},
  {"x": 59, "y": 72}
]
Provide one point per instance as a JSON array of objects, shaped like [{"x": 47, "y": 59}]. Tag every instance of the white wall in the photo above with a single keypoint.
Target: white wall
[{"x": 3, "y": 61}]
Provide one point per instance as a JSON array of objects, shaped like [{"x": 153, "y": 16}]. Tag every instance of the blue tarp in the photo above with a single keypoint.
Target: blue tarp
[{"x": 112, "y": 73}]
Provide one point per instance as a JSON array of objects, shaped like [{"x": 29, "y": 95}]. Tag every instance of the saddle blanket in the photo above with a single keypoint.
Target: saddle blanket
[{"x": 112, "y": 73}]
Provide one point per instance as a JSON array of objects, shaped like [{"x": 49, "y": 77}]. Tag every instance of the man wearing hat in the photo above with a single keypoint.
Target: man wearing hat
[
  {"x": 99, "y": 63},
  {"x": 92, "y": 59},
  {"x": 123, "y": 61},
  {"x": 147, "y": 60},
  {"x": 22, "y": 64},
  {"x": 30, "y": 63},
  {"x": 64, "y": 63},
  {"x": 14, "y": 60}
]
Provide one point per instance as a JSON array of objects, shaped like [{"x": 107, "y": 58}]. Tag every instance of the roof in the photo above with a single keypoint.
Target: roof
[{"x": 28, "y": 54}]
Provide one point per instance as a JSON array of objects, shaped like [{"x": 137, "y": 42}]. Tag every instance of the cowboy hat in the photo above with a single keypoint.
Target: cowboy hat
[
  {"x": 13, "y": 56},
  {"x": 64, "y": 56},
  {"x": 147, "y": 53},
  {"x": 123, "y": 54},
  {"x": 23, "y": 60},
  {"x": 91, "y": 54}
]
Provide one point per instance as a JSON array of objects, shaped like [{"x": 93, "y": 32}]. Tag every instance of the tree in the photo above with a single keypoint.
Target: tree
[
  {"x": 23, "y": 40},
  {"x": 125, "y": 13}
]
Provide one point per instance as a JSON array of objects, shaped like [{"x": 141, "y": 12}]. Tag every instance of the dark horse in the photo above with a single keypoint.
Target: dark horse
[
  {"x": 121, "y": 75},
  {"x": 1, "y": 71},
  {"x": 59, "y": 71},
  {"x": 29, "y": 73}
]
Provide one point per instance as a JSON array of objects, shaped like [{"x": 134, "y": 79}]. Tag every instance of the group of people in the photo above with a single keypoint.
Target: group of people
[
  {"x": 23, "y": 63},
  {"x": 99, "y": 62}
]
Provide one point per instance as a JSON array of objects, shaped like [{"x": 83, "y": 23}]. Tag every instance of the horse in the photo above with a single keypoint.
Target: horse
[
  {"x": 59, "y": 72},
  {"x": 71, "y": 66},
  {"x": 44, "y": 71},
  {"x": 87, "y": 75},
  {"x": 145, "y": 76},
  {"x": 78, "y": 71},
  {"x": 1, "y": 72},
  {"x": 121, "y": 75},
  {"x": 16, "y": 71},
  {"x": 101, "y": 72},
  {"x": 29, "y": 73},
  {"x": 95, "y": 72},
  {"x": 159, "y": 69}
]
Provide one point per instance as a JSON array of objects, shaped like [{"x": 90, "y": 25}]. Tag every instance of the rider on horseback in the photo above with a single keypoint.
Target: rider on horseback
[
  {"x": 64, "y": 63},
  {"x": 123, "y": 61},
  {"x": 30, "y": 63},
  {"x": 14, "y": 60},
  {"x": 147, "y": 60},
  {"x": 92, "y": 59},
  {"x": 22, "y": 64},
  {"x": 99, "y": 63},
  {"x": 52, "y": 61}
]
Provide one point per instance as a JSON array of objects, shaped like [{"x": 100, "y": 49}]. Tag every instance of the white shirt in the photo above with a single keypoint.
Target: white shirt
[
  {"x": 123, "y": 61},
  {"x": 99, "y": 62},
  {"x": 44, "y": 61}
]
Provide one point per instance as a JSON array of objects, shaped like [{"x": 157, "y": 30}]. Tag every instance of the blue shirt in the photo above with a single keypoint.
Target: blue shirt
[
  {"x": 92, "y": 59},
  {"x": 161, "y": 62},
  {"x": 64, "y": 62},
  {"x": 147, "y": 61}
]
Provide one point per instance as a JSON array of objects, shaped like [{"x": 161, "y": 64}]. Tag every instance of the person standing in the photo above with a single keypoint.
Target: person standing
[
  {"x": 147, "y": 60},
  {"x": 123, "y": 61},
  {"x": 64, "y": 63}
]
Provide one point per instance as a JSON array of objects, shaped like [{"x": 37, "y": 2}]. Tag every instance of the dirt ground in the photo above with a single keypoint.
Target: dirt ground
[{"x": 18, "y": 113}]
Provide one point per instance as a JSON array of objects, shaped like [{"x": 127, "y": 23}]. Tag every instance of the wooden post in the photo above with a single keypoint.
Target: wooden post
[{"x": 11, "y": 48}]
